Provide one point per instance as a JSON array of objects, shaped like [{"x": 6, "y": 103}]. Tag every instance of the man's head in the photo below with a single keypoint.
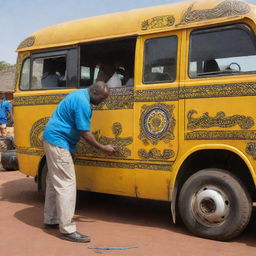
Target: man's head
[{"x": 99, "y": 91}]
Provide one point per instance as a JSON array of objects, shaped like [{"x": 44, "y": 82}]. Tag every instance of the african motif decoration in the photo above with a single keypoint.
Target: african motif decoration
[
  {"x": 29, "y": 151},
  {"x": 158, "y": 22},
  {"x": 224, "y": 9},
  {"x": 105, "y": 164},
  {"x": 82, "y": 147},
  {"x": 38, "y": 100},
  {"x": 221, "y": 135},
  {"x": 123, "y": 165},
  {"x": 155, "y": 153},
  {"x": 196, "y": 92},
  {"x": 220, "y": 120},
  {"x": 156, "y": 123},
  {"x": 119, "y": 98},
  {"x": 37, "y": 131},
  {"x": 251, "y": 149},
  {"x": 120, "y": 143},
  {"x": 28, "y": 42},
  {"x": 126, "y": 101}
]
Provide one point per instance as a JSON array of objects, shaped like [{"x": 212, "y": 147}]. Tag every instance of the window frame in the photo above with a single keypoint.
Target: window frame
[
  {"x": 71, "y": 55},
  {"x": 61, "y": 53},
  {"x": 107, "y": 41},
  {"x": 20, "y": 75},
  {"x": 243, "y": 26},
  {"x": 144, "y": 54}
]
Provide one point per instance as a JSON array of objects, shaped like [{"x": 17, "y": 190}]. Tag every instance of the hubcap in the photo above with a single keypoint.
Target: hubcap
[{"x": 210, "y": 206}]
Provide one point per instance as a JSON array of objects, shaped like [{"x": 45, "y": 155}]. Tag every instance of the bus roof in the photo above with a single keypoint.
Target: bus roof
[{"x": 137, "y": 22}]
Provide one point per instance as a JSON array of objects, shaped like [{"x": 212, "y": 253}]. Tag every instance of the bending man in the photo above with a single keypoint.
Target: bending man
[{"x": 69, "y": 121}]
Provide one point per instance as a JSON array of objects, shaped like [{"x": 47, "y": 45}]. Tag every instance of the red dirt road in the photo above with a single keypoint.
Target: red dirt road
[{"x": 111, "y": 221}]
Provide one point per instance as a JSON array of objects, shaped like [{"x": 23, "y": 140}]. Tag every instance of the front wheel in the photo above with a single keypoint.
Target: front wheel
[{"x": 213, "y": 204}]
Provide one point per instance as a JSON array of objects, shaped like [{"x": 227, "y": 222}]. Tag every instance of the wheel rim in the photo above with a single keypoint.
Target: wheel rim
[{"x": 210, "y": 206}]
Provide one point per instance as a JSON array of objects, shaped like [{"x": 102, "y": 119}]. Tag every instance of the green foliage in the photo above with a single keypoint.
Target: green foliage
[{"x": 4, "y": 65}]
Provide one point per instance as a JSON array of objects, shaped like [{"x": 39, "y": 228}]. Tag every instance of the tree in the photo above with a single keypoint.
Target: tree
[{"x": 4, "y": 65}]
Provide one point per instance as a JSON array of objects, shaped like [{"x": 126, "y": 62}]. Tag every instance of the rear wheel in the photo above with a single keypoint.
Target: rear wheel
[{"x": 214, "y": 204}]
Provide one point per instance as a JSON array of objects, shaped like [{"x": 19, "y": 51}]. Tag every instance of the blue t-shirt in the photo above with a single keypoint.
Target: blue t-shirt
[
  {"x": 4, "y": 108},
  {"x": 71, "y": 116}
]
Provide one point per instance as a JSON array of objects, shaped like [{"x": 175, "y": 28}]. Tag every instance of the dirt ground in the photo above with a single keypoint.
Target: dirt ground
[{"x": 111, "y": 221}]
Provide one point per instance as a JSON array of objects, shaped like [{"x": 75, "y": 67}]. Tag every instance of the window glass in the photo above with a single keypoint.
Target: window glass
[
  {"x": 160, "y": 58},
  {"x": 111, "y": 62},
  {"x": 25, "y": 74},
  {"x": 49, "y": 73},
  {"x": 223, "y": 51}
]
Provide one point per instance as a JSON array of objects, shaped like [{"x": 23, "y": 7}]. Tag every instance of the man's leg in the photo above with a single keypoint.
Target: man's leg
[
  {"x": 50, "y": 211},
  {"x": 62, "y": 177}
]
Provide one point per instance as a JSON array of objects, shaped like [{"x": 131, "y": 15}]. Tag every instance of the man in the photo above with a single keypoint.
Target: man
[
  {"x": 50, "y": 79},
  {"x": 70, "y": 120},
  {"x": 5, "y": 110},
  {"x": 108, "y": 75}
]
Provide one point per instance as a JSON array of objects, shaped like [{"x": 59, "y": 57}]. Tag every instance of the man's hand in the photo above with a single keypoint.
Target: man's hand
[
  {"x": 109, "y": 148},
  {"x": 90, "y": 139}
]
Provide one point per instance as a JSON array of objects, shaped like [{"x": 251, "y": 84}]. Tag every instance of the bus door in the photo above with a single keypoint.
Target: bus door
[{"x": 156, "y": 115}]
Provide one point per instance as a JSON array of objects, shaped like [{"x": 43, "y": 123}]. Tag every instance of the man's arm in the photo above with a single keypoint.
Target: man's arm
[{"x": 90, "y": 139}]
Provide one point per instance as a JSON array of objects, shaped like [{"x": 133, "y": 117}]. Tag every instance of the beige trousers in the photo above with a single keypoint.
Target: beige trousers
[{"x": 60, "y": 198}]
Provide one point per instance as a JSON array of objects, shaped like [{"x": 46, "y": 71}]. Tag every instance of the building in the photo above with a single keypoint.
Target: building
[{"x": 7, "y": 82}]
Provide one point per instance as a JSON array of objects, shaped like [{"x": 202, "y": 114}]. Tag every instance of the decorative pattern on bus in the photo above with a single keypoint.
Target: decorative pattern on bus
[
  {"x": 221, "y": 135},
  {"x": 29, "y": 151},
  {"x": 155, "y": 153},
  {"x": 36, "y": 132},
  {"x": 220, "y": 120},
  {"x": 251, "y": 149},
  {"x": 156, "y": 123},
  {"x": 106, "y": 164},
  {"x": 28, "y": 42},
  {"x": 52, "y": 99},
  {"x": 224, "y": 9},
  {"x": 120, "y": 98},
  {"x": 82, "y": 147},
  {"x": 120, "y": 143},
  {"x": 196, "y": 92},
  {"x": 158, "y": 22},
  {"x": 124, "y": 165}
]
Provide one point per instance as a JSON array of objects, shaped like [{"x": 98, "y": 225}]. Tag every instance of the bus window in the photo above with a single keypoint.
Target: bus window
[
  {"x": 160, "y": 58},
  {"x": 25, "y": 74},
  {"x": 111, "y": 62},
  {"x": 48, "y": 73},
  {"x": 234, "y": 51}
]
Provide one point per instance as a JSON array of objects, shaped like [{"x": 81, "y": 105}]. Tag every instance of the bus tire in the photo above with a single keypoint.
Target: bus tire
[
  {"x": 6, "y": 143},
  {"x": 214, "y": 204},
  {"x": 9, "y": 160}
]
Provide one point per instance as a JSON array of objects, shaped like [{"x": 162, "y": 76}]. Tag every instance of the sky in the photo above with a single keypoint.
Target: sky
[{"x": 20, "y": 18}]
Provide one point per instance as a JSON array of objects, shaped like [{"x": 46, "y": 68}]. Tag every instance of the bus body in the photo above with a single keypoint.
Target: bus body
[{"x": 185, "y": 124}]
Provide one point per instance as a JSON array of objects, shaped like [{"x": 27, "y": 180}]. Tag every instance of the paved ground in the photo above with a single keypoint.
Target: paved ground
[{"x": 111, "y": 221}]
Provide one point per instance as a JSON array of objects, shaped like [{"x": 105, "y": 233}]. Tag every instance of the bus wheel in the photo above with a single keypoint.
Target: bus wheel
[
  {"x": 43, "y": 179},
  {"x": 213, "y": 204}
]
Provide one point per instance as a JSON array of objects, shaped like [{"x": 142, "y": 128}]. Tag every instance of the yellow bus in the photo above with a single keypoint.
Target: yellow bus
[{"x": 183, "y": 117}]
